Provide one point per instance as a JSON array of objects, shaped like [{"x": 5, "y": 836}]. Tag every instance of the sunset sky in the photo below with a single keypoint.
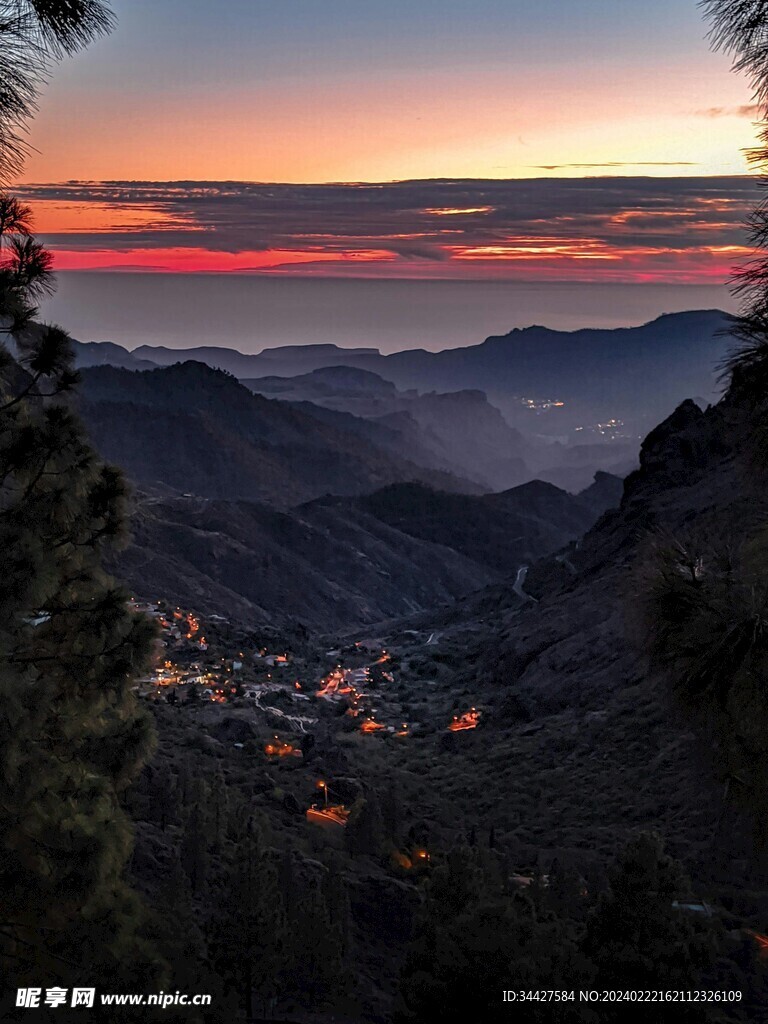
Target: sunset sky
[{"x": 170, "y": 118}]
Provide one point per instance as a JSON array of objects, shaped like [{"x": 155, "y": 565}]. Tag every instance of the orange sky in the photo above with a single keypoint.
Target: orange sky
[{"x": 508, "y": 124}]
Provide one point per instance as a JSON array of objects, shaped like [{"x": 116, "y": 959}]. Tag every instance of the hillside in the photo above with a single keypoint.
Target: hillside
[
  {"x": 579, "y": 742},
  {"x": 578, "y": 745},
  {"x": 500, "y": 531},
  {"x": 190, "y": 429},
  {"x": 249, "y": 562},
  {"x": 341, "y": 562}
]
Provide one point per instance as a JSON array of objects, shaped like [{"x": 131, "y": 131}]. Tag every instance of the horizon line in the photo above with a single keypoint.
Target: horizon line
[
  {"x": 119, "y": 271},
  {"x": 351, "y": 183}
]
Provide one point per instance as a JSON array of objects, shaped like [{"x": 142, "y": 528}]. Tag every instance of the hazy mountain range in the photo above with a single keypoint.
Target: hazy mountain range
[
  {"x": 458, "y": 432},
  {"x": 338, "y": 494},
  {"x": 666, "y": 360},
  {"x": 534, "y": 403}
]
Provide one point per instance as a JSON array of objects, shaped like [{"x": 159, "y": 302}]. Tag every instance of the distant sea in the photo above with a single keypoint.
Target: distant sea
[{"x": 250, "y": 313}]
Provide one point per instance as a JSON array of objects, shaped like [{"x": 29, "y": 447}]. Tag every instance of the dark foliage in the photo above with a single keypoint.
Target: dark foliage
[
  {"x": 72, "y": 735},
  {"x": 34, "y": 34},
  {"x": 740, "y": 28}
]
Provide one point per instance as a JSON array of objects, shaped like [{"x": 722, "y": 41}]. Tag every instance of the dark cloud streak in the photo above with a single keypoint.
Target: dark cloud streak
[
  {"x": 412, "y": 219},
  {"x": 616, "y": 163}
]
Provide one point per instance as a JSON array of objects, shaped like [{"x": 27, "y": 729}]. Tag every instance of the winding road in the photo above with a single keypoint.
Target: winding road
[
  {"x": 295, "y": 722},
  {"x": 517, "y": 586}
]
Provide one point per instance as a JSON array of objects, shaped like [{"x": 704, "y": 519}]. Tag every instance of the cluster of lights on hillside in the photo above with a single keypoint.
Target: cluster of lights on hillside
[{"x": 541, "y": 404}]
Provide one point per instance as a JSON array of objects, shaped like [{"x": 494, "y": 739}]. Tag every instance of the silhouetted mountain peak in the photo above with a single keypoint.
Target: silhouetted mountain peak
[
  {"x": 346, "y": 378},
  {"x": 193, "y": 370},
  {"x": 696, "y": 319},
  {"x": 326, "y": 349},
  {"x": 534, "y": 489},
  {"x": 594, "y": 391},
  {"x": 605, "y": 492}
]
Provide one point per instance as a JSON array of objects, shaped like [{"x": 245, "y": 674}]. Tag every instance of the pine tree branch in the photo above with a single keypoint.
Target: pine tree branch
[
  {"x": 32, "y": 945},
  {"x": 22, "y": 395}
]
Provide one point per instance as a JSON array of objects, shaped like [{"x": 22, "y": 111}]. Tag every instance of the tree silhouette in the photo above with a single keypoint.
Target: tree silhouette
[
  {"x": 705, "y": 600},
  {"x": 705, "y": 610},
  {"x": 68, "y": 25},
  {"x": 248, "y": 933},
  {"x": 740, "y": 28},
  {"x": 15, "y": 218},
  {"x": 34, "y": 34},
  {"x": 72, "y": 735},
  {"x": 364, "y": 834},
  {"x": 707, "y": 618},
  {"x": 26, "y": 276},
  {"x": 638, "y": 936},
  {"x": 194, "y": 850},
  {"x": 471, "y": 941}
]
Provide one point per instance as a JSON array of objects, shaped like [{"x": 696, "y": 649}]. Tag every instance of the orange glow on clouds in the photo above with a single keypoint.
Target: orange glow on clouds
[
  {"x": 544, "y": 248},
  {"x": 183, "y": 125},
  {"x": 72, "y": 217},
  {"x": 707, "y": 264},
  {"x": 620, "y": 229},
  {"x": 455, "y": 211},
  {"x": 704, "y": 265}
]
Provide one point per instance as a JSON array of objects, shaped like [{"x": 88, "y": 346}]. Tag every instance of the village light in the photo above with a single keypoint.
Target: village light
[
  {"x": 279, "y": 748},
  {"x": 371, "y": 726},
  {"x": 469, "y": 720}
]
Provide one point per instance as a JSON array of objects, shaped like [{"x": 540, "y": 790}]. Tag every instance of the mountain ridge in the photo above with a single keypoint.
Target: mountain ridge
[{"x": 188, "y": 427}]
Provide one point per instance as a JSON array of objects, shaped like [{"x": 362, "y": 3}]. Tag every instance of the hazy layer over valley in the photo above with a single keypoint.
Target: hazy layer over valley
[{"x": 251, "y": 312}]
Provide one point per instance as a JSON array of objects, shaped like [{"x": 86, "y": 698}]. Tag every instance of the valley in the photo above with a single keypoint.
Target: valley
[{"x": 517, "y": 719}]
